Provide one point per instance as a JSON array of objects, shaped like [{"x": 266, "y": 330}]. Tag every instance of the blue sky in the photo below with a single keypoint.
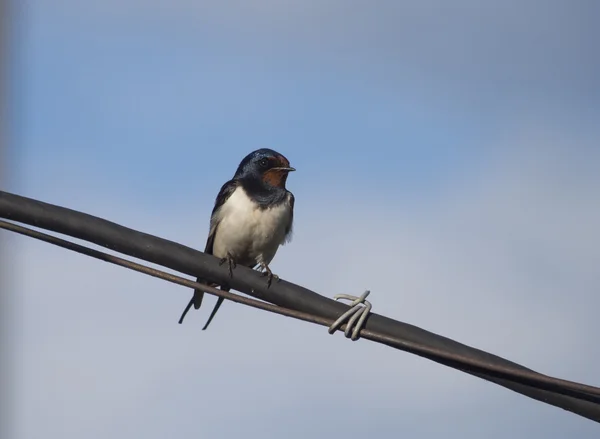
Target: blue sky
[
  {"x": 123, "y": 80},
  {"x": 454, "y": 144}
]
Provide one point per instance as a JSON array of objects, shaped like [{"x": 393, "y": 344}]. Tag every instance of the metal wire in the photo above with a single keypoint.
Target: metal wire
[{"x": 576, "y": 390}]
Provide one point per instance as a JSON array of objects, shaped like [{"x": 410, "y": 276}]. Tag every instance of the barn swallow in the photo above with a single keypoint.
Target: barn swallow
[{"x": 252, "y": 217}]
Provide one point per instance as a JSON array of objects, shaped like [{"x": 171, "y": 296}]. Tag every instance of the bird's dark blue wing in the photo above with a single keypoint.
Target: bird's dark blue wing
[
  {"x": 226, "y": 190},
  {"x": 224, "y": 194}
]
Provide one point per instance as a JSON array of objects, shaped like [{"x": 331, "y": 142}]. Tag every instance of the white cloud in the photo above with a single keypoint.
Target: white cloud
[{"x": 504, "y": 261}]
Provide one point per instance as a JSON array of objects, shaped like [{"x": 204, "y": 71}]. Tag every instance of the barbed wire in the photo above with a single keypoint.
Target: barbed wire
[{"x": 581, "y": 399}]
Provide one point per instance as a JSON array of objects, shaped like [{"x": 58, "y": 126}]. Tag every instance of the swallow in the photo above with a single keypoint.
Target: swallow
[{"x": 252, "y": 216}]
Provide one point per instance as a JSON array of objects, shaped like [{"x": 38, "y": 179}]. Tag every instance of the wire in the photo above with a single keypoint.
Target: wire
[
  {"x": 531, "y": 378},
  {"x": 292, "y": 300},
  {"x": 161, "y": 274}
]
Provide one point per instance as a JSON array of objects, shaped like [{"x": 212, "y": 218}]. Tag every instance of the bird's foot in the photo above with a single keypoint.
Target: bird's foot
[
  {"x": 356, "y": 312},
  {"x": 231, "y": 262},
  {"x": 270, "y": 276}
]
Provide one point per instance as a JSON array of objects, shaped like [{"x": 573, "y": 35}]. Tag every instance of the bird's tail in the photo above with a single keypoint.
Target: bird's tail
[
  {"x": 215, "y": 309},
  {"x": 196, "y": 300}
]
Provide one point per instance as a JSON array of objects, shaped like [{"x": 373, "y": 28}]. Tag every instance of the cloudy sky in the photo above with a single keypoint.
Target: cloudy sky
[{"x": 453, "y": 147}]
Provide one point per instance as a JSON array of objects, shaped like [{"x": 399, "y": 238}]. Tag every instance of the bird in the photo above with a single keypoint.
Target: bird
[{"x": 252, "y": 216}]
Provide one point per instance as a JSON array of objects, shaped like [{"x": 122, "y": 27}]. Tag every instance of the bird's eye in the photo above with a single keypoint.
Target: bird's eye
[{"x": 264, "y": 163}]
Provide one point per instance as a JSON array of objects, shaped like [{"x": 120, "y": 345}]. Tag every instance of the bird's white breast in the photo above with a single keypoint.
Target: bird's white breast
[{"x": 250, "y": 234}]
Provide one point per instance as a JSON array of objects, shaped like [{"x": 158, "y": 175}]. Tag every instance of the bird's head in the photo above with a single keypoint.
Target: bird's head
[{"x": 265, "y": 165}]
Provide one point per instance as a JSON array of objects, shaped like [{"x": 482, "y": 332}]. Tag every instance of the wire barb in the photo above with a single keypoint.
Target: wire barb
[{"x": 356, "y": 312}]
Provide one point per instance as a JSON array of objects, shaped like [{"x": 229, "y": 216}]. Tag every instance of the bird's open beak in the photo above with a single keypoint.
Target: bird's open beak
[{"x": 290, "y": 169}]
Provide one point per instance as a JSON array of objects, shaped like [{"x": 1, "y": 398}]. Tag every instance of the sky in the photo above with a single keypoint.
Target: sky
[{"x": 447, "y": 159}]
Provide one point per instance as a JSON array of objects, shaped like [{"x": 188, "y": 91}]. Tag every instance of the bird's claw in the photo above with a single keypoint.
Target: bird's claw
[
  {"x": 231, "y": 262},
  {"x": 270, "y": 276},
  {"x": 356, "y": 312}
]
